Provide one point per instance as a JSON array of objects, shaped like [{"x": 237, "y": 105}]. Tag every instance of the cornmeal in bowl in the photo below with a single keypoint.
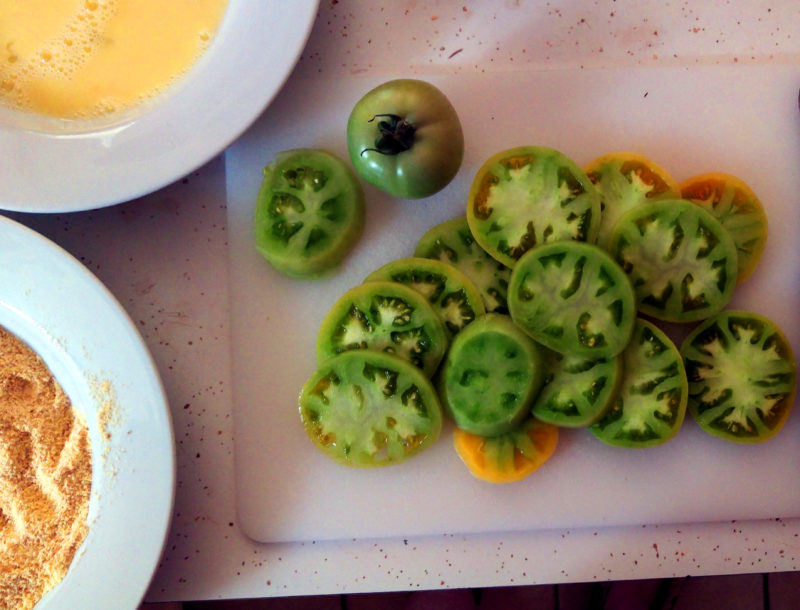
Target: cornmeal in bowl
[{"x": 45, "y": 476}]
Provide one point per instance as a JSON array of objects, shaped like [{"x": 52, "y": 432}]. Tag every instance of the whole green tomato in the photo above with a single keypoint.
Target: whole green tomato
[{"x": 404, "y": 137}]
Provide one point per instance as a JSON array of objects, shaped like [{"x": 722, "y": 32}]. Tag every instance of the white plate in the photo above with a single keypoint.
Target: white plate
[
  {"x": 57, "y": 166},
  {"x": 55, "y": 305}
]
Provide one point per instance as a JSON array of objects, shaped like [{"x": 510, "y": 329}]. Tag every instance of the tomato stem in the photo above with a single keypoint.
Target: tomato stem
[{"x": 397, "y": 135}]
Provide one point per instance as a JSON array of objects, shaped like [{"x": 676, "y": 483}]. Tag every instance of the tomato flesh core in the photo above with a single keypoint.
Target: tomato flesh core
[
  {"x": 384, "y": 316},
  {"x": 515, "y": 194},
  {"x": 369, "y": 409},
  {"x": 742, "y": 376},
  {"x": 573, "y": 298},
  {"x": 651, "y": 403},
  {"x": 681, "y": 261},
  {"x": 451, "y": 293},
  {"x": 527, "y": 196}
]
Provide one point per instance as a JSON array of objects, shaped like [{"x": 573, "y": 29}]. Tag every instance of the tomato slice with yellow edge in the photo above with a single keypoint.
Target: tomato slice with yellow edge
[
  {"x": 734, "y": 204},
  {"x": 509, "y": 457},
  {"x": 530, "y": 195},
  {"x": 365, "y": 408},
  {"x": 625, "y": 180}
]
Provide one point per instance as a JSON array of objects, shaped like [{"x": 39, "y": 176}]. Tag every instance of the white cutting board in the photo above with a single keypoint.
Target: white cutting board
[{"x": 740, "y": 119}]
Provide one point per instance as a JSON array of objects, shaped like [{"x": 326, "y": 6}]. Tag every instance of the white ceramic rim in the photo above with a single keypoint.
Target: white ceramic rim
[
  {"x": 57, "y": 306},
  {"x": 68, "y": 168}
]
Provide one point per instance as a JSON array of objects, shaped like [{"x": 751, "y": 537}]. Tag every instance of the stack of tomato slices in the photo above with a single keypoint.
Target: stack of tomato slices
[{"x": 543, "y": 308}]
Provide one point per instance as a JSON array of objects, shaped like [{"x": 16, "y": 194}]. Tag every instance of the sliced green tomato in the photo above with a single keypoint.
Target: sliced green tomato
[
  {"x": 625, "y": 180},
  {"x": 309, "y": 213},
  {"x": 681, "y": 261},
  {"x": 742, "y": 376},
  {"x": 731, "y": 201},
  {"x": 651, "y": 403},
  {"x": 490, "y": 376},
  {"x": 573, "y": 298},
  {"x": 451, "y": 293},
  {"x": 526, "y": 196},
  {"x": 384, "y": 316},
  {"x": 577, "y": 391},
  {"x": 452, "y": 242},
  {"x": 367, "y": 408},
  {"x": 509, "y": 457}
]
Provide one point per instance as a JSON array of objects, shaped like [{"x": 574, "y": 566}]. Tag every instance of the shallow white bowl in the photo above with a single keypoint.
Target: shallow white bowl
[
  {"x": 49, "y": 165},
  {"x": 63, "y": 312}
]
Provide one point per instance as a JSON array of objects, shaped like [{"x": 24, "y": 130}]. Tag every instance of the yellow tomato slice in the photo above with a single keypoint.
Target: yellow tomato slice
[
  {"x": 731, "y": 201},
  {"x": 509, "y": 457},
  {"x": 624, "y": 181}
]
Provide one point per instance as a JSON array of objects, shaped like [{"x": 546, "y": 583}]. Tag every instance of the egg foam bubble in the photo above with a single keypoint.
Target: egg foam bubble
[{"x": 88, "y": 59}]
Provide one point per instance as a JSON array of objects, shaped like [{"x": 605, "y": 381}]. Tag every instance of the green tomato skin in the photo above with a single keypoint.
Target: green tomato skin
[
  {"x": 438, "y": 146},
  {"x": 491, "y": 376},
  {"x": 309, "y": 213}
]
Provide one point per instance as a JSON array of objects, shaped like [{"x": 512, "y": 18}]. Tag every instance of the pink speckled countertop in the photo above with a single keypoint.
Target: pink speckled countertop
[{"x": 165, "y": 258}]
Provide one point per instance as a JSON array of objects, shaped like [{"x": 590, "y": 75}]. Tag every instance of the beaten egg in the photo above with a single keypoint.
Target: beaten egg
[{"x": 80, "y": 59}]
